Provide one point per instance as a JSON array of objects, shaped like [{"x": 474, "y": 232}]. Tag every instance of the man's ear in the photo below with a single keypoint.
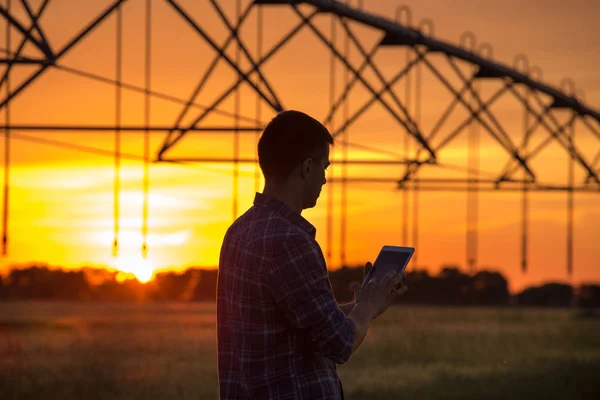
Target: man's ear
[{"x": 306, "y": 167}]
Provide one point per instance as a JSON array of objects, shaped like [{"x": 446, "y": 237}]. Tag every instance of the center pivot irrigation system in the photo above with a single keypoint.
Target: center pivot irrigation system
[{"x": 549, "y": 114}]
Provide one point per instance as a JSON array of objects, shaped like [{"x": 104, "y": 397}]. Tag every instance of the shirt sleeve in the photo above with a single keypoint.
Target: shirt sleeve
[{"x": 301, "y": 288}]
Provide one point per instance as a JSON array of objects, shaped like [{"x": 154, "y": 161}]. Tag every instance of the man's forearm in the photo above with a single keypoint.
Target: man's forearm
[
  {"x": 361, "y": 316},
  {"x": 347, "y": 308}
]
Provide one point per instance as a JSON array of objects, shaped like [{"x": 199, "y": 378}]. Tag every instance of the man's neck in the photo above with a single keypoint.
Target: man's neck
[{"x": 286, "y": 196}]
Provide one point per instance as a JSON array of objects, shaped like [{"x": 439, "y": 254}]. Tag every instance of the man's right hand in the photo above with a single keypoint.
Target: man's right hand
[
  {"x": 378, "y": 296},
  {"x": 372, "y": 300}
]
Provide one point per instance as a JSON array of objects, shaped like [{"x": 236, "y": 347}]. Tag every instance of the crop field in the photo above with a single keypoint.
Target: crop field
[{"x": 168, "y": 350}]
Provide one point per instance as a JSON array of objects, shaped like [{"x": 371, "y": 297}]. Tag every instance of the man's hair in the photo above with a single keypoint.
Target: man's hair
[{"x": 289, "y": 139}]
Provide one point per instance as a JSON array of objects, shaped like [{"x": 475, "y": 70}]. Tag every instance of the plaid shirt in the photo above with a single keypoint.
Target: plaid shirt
[{"x": 280, "y": 331}]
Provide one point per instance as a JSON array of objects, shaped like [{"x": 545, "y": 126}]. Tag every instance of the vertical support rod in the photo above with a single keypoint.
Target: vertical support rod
[
  {"x": 6, "y": 143},
  {"x": 345, "y": 112},
  {"x": 147, "y": 130},
  {"x": 570, "y": 199},
  {"x": 473, "y": 190},
  {"x": 259, "y": 46},
  {"x": 469, "y": 248},
  {"x": 525, "y": 198},
  {"x": 236, "y": 120},
  {"x": 407, "y": 154},
  {"x": 477, "y": 154},
  {"x": 476, "y": 201},
  {"x": 119, "y": 71},
  {"x": 417, "y": 120},
  {"x": 467, "y": 39},
  {"x": 332, "y": 128}
]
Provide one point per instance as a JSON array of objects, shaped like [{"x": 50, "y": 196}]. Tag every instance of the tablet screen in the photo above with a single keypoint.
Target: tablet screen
[
  {"x": 388, "y": 261},
  {"x": 393, "y": 257}
]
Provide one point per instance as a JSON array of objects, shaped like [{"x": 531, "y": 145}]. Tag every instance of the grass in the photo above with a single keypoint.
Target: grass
[{"x": 157, "y": 351}]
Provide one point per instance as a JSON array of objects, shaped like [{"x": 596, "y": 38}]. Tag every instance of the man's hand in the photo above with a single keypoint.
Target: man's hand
[
  {"x": 370, "y": 267},
  {"x": 372, "y": 300},
  {"x": 379, "y": 295},
  {"x": 347, "y": 308}
]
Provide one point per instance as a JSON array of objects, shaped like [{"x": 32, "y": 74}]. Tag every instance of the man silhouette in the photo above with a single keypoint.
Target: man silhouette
[{"x": 280, "y": 332}]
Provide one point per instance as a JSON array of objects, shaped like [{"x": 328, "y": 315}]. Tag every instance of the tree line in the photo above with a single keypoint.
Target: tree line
[{"x": 450, "y": 286}]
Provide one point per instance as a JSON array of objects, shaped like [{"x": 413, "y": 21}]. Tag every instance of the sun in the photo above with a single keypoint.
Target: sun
[{"x": 140, "y": 267}]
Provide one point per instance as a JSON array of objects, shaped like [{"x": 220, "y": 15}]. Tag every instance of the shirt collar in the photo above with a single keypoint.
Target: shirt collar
[{"x": 278, "y": 206}]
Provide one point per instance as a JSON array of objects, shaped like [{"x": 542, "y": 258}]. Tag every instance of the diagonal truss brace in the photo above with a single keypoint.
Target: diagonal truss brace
[
  {"x": 27, "y": 33},
  {"x": 17, "y": 58},
  {"x": 172, "y": 139},
  {"x": 560, "y": 130},
  {"x": 475, "y": 114},
  {"x": 274, "y": 103},
  {"x": 62, "y": 52},
  {"x": 409, "y": 124},
  {"x": 211, "y": 68}
]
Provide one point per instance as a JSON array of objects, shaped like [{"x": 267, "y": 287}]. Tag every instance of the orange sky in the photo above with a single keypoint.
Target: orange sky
[{"x": 62, "y": 201}]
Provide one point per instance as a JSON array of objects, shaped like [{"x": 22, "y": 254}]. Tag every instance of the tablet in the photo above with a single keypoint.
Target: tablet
[{"x": 390, "y": 258}]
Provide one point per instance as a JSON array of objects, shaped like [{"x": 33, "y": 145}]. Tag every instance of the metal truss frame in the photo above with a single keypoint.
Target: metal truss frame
[{"x": 404, "y": 109}]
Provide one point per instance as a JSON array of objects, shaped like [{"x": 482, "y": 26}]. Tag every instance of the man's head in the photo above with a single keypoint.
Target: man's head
[{"x": 293, "y": 153}]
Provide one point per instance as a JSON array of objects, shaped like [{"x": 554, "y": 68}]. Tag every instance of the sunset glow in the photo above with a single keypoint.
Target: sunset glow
[
  {"x": 141, "y": 268},
  {"x": 62, "y": 199}
]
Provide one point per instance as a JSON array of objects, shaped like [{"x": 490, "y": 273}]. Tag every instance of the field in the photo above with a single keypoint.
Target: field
[{"x": 160, "y": 351}]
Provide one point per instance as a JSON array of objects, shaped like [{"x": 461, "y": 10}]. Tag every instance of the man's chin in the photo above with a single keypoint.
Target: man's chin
[{"x": 310, "y": 205}]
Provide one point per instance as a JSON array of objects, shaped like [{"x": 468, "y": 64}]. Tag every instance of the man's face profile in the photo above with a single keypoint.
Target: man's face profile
[{"x": 315, "y": 176}]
